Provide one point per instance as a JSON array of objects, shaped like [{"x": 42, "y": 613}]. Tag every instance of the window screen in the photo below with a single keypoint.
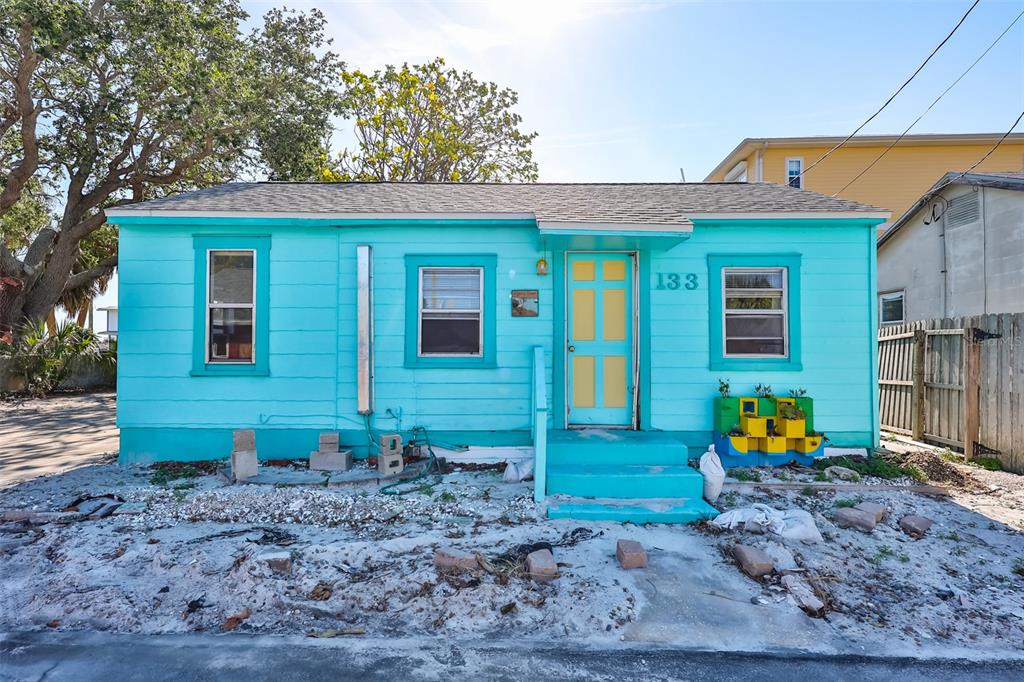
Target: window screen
[
  {"x": 230, "y": 306},
  {"x": 794, "y": 167},
  {"x": 890, "y": 308},
  {"x": 755, "y": 312},
  {"x": 451, "y": 311}
]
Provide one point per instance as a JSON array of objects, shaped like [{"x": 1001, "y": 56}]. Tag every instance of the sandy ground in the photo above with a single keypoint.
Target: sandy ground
[
  {"x": 46, "y": 436},
  {"x": 197, "y": 556}
]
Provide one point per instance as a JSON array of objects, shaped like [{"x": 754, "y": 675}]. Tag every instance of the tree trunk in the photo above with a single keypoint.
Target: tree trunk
[
  {"x": 12, "y": 302},
  {"x": 83, "y": 314},
  {"x": 51, "y": 321}
]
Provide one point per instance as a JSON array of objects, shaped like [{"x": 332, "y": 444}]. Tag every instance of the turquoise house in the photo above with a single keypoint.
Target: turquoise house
[{"x": 589, "y": 322}]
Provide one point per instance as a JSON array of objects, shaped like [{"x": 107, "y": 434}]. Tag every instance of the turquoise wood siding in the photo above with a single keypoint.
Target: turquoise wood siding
[{"x": 166, "y": 413}]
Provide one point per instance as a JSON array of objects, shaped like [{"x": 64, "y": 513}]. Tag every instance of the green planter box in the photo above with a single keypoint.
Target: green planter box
[
  {"x": 727, "y": 414},
  {"x": 765, "y": 407},
  {"x": 807, "y": 405}
]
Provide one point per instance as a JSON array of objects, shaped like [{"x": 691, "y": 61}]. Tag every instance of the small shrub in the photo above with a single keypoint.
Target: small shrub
[
  {"x": 446, "y": 496},
  {"x": 723, "y": 388},
  {"x": 172, "y": 471},
  {"x": 872, "y": 466},
  {"x": 808, "y": 491},
  {"x": 989, "y": 463},
  {"x": 822, "y": 477},
  {"x": 745, "y": 475},
  {"x": 44, "y": 359},
  {"x": 764, "y": 391},
  {"x": 848, "y": 502}
]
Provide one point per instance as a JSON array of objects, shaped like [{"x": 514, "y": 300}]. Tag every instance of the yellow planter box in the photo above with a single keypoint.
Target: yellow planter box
[
  {"x": 808, "y": 445},
  {"x": 748, "y": 407},
  {"x": 772, "y": 444},
  {"x": 755, "y": 427},
  {"x": 741, "y": 443},
  {"x": 792, "y": 428}
]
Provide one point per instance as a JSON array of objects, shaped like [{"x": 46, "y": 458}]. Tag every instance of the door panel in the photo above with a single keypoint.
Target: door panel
[{"x": 600, "y": 338}]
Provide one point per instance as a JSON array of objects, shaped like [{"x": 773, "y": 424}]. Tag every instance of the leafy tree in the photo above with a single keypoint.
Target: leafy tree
[
  {"x": 111, "y": 102},
  {"x": 430, "y": 123}
]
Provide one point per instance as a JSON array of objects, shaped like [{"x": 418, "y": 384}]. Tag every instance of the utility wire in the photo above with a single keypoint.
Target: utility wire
[
  {"x": 898, "y": 91},
  {"x": 934, "y": 102},
  {"x": 982, "y": 159}
]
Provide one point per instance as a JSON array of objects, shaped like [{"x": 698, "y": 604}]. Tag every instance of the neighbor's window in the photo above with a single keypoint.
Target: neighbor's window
[
  {"x": 451, "y": 312},
  {"x": 230, "y": 306},
  {"x": 890, "y": 307},
  {"x": 755, "y": 312},
  {"x": 794, "y": 167}
]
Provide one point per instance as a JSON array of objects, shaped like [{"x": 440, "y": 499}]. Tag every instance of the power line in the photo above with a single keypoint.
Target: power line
[
  {"x": 930, "y": 106},
  {"x": 982, "y": 159},
  {"x": 898, "y": 91}
]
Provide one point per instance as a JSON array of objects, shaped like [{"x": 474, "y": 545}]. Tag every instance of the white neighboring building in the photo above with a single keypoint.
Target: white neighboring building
[
  {"x": 109, "y": 330},
  {"x": 958, "y": 251}
]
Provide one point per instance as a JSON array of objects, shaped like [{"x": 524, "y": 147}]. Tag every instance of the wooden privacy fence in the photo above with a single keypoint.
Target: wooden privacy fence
[{"x": 957, "y": 382}]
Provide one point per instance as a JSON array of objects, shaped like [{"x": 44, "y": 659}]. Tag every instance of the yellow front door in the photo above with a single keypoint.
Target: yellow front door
[{"x": 600, "y": 339}]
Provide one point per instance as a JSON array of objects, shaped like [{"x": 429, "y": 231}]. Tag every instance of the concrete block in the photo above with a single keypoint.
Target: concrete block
[
  {"x": 850, "y": 517},
  {"x": 390, "y": 464},
  {"x": 130, "y": 509},
  {"x": 244, "y": 440},
  {"x": 753, "y": 561},
  {"x": 541, "y": 566},
  {"x": 630, "y": 554},
  {"x": 244, "y": 465},
  {"x": 783, "y": 559},
  {"x": 447, "y": 559},
  {"x": 279, "y": 562},
  {"x": 842, "y": 473},
  {"x": 915, "y": 526},
  {"x": 390, "y": 444},
  {"x": 329, "y": 441},
  {"x": 804, "y": 595},
  {"x": 332, "y": 460},
  {"x": 879, "y": 511}
]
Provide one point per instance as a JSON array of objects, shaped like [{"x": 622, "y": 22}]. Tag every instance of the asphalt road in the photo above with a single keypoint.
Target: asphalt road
[{"x": 122, "y": 658}]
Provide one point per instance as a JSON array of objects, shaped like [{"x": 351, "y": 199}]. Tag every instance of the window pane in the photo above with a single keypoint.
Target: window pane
[
  {"x": 755, "y": 347},
  {"x": 447, "y": 335},
  {"x": 231, "y": 277},
  {"x": 770, "y": 301},
  {"x": 761, "y": 279},
  {"x": 753, "y": 326},
  {"x": 230, "y": 334},
  {"x": 892, "y": 309},
  {"x": 451, "y": 289}
]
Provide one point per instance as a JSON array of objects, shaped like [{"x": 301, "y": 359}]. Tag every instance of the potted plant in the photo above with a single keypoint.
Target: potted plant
[
  {"x": 765, "y": 400},
  {"x": 727, "y": 408},
  {"x": 791, "y": 421}
]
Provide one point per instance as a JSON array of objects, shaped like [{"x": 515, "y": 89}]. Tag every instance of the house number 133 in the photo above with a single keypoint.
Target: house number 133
[{"x": 675, "y": 280}]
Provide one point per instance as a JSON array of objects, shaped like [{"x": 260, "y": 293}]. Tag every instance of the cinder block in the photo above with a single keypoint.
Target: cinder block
[
  {"x": 244, "y": 440},
  {"x": 244, "y": 465},
  {"x": 390, "y": 464},
  {"x": 279, "y": 562},
  {"x": 333, "y": 460},
  {"x": 390, "y": 444},
  {"x": 541, "y": 566},
  {"x": 329, "y": 441},
  {"x": 447, "y": 559}
]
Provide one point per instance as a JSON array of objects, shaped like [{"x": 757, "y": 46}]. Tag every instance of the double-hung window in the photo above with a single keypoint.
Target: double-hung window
[
  {"x": 230, "y": 306},
  {"x": 231, "y": 321},
  {"x": 450, "y": 315},
  {"x": 794, "y": 170},
  {"x": 755, "y": 312},
  {"x": 890, "y": 307},
  {"x": 451, "y": 312}
]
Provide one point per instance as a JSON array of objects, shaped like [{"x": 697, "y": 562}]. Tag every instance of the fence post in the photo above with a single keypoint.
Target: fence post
[
  {"x": 917, "y": 402},
  {"x": 972, "y": 391}
]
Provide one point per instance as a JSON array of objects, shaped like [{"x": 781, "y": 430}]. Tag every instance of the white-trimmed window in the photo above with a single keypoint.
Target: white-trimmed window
[
  {"x": 230, "y": 305},
  {"x": 451, "y": 311},
  {"x": 754, "y": 310},
  {"x": 890, "y": 307},
  {"x": 794, "y": 169}
]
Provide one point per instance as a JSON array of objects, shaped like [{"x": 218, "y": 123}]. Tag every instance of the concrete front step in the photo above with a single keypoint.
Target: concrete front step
[
  {"x": 625, "y": 481},
  {"x": 611, "y": 446},
  {"x": 671, "y": 510}
]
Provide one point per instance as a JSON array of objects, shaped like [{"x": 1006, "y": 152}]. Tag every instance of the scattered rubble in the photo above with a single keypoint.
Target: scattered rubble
[
  {"x": 877, "y": 510},
  {"x": 805, "y": 597},
  {"x": 279, "y": 562},
  {"x": 630, "y": 554},
  {"x": 852, "y": 517},
  {"x": 915, "y": 526},
  {"x": 842, "y": 473},
  {"x": 448, "y": 559},
  {"x": 234, "y": 621},
  {"x": 541, "y": 566},
  {"x": 753, "y": 561}
]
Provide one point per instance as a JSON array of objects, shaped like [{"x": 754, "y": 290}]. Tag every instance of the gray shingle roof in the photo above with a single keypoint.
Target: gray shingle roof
[{"x": 657, "y": 204}]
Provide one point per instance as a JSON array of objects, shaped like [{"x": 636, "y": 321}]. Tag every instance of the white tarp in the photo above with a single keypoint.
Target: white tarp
[{"x": 790, "y": 524}]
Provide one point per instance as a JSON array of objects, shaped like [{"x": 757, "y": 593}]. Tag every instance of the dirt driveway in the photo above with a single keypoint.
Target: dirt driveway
[{"x": 50, "y": 435}]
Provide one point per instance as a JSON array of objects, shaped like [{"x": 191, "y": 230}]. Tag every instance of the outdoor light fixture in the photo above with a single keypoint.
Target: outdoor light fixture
[{"x": 542, "y": 266}]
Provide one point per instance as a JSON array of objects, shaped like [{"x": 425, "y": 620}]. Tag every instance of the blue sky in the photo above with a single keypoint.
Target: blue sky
[{"x": 631, "y": 91}]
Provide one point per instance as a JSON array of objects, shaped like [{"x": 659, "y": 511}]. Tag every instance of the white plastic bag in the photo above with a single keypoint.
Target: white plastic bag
[
  {"x": 516, "y": 472},
  {"x": 790, "y": 524},
  {"x": 713, "y": 473}
]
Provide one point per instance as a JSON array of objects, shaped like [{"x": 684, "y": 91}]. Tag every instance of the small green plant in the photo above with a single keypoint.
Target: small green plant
[
  {"x": 426, "y": 489},
  {"x": 989, "y": 463},
  {"x": 798, "y": 392},
  {"x": 951, "y": 456},
  {"x": 872, "y": 466},
  {"x": 787, "y": 411},
  {"x": 883, "y": 553},
  {"x": 808, "y": 491},
  {"x": 735, "y": 430},
  {"x": 723, "y": 388},
  {"x": 952, "y": 535},
  {"x": 745, "y": 475},
  {"x": 162, "y": 475},
  {"x": 822, "y": 477},
  {"x": 848, "y": 502},
  {"x": 904, "y": 557},
  {"x": 179, "y": 495},
  {"x": 446, "y": 496},
  {"x": 764, "y": 391}
]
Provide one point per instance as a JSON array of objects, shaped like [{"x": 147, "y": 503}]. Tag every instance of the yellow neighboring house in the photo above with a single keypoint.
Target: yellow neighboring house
[{"x": 906, "y": 172}]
